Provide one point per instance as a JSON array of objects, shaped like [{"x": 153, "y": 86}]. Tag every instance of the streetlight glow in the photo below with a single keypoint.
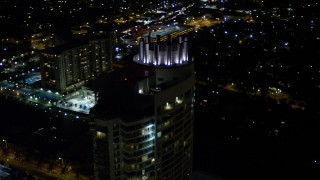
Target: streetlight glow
[
  {"x": 60, "y": 158},
  {"x": 5, "y": 141}
]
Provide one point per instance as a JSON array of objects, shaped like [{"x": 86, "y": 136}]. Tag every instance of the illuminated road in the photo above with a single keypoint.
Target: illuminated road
[
  {"x": 200, "y": 22},
  {"x": 31, "y": 168}
]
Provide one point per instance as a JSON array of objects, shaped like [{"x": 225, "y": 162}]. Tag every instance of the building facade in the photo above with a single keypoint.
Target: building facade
[
  {"x": 67, "y": 67},
  {"x": 143, "y": 122}
]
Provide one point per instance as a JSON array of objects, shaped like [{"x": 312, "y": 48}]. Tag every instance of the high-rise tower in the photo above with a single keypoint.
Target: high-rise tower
[
  {"x": 143, "y": 122},
  {"x": 67, "y": 67}
]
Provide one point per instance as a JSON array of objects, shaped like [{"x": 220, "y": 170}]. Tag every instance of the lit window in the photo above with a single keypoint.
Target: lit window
[
  {"x": 184, "y": 143},
  {"x": 144, "y": 158},
  {"x": 101, "y": 135},
  {"x": 178, "y": 100},
  {"x": 166, "y": 124},
  {"x": 167, "y": 106},
  {"x": 159, "y": 134},
  {"x": 144, "y": 131}
]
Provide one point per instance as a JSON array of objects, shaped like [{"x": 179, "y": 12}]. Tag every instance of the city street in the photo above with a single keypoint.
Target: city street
[{"x": 42, "y": 173}]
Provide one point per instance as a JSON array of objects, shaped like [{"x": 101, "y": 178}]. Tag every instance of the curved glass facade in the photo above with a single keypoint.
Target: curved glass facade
[{"x": 151, "y": 134}]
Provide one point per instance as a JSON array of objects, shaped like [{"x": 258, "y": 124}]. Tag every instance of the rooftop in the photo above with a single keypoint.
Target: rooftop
[
  {"x": 166, "y": 30},
  {"x": 64, "y": 47},
  {"x": 81, "y": 103},
  {"x": 121, "y": 98}
]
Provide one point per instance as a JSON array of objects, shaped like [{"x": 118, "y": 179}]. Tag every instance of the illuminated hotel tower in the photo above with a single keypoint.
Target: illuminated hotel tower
[
  {"x": 143, "y": 122},
  {"x": 67, "y": 67}
]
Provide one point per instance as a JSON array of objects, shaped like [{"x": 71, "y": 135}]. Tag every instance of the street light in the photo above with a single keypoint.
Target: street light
[
  {"x": 60, "y": 158},
  {"x": 5, "y": 141}
]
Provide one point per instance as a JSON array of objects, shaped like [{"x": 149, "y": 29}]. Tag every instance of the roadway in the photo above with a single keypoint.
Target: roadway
[{"x": 42, "y": 173}]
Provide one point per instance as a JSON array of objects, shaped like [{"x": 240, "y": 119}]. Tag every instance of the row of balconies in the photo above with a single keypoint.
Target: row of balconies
[
  {"x": 143, "y": 145},
  {"x": 137, "y": 126},
  {"x": 145, "y": 138},
  {"x": 138, "y": 133},
  {"x": 139, "y": 159},
  {"x": 137, "y": 153},
  {"x": 148, "y": 171}
]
